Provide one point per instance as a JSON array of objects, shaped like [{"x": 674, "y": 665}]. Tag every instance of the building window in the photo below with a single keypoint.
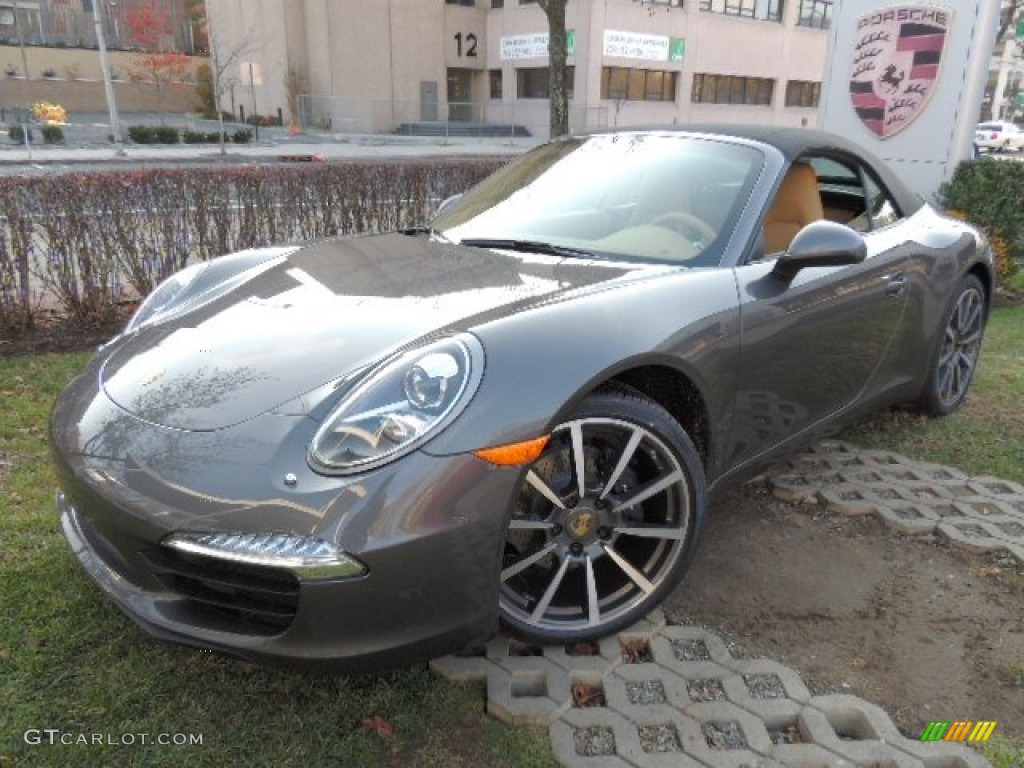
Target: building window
[
  {"x": 497, "y": 3},
  {"x": 727, "y": 89},
  {"x": 762, "y": 10},
  {"x": 815, "y": 13},
  {"x": 469, "y": 3},
  {"x": 532, "y": 83},
  {"x": 494, "y": 77},
  {"x": 802, "y": 93},
  {"x": 638, "y": 84}
]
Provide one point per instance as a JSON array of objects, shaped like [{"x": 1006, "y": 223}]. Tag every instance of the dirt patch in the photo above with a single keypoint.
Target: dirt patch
[
  {"x": 1004, "y": 296},
  {"x": 924, "y": 630}
]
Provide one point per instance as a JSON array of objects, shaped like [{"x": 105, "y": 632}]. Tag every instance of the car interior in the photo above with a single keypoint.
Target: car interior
[{"x": 822, "y": 188}]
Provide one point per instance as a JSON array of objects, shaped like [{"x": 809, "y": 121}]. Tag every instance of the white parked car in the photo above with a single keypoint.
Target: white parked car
[{"x": 998, "y": 136}]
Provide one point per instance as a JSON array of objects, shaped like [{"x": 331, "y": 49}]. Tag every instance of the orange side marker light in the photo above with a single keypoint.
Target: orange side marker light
[{"x": 514, "y": 454}]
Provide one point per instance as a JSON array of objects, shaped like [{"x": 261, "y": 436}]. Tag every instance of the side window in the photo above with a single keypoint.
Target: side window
[
  {"x": 881, "y": 208},
  {"x": 842, "y": 194}
]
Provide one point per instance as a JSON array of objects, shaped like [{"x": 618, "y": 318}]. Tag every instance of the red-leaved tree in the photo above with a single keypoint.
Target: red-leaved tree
[{"x": 150, "y": 30}]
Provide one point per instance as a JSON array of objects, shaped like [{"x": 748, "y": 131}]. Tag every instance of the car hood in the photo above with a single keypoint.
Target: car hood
[{"x": 315, "y": 315}]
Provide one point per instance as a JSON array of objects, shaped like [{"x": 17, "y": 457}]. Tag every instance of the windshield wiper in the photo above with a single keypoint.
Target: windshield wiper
[{"x": 526, "y": 246}]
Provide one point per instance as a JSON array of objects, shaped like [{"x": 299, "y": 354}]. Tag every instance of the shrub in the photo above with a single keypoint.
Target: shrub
[
  {"x": 214, "y": 137},
  {"x": 46, "y": 112},
  {"x": 990, "y": 194},
  {"x": 166, "y": 134},
  {"x": 53, "y": 134},
  {"x": 263, "y": 121},
  {"x": 141, "y": 134},
  {"x": 90, "y": 239},
  {"x": 16, "y": 133},
  {"x": 194, "y": 137},
  {"x": 241, "y": 137}
]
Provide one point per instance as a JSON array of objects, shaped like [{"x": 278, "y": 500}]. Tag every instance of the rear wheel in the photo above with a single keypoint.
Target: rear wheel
[
  {"x": 959, "y": 347},
  {"x": 606, "y": 522}
]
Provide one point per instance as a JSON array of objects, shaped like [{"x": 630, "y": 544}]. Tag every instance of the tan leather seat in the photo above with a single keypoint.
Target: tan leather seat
[{"x": 796, "y": 204}]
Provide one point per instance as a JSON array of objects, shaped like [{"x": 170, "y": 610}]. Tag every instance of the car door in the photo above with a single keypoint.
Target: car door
[{"x": 810, "y": 346}]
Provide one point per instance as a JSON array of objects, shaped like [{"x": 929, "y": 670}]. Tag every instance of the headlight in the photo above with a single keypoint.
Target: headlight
[
  {"x": 165, "y": 295},
  {"x": 399, "y": 406}
]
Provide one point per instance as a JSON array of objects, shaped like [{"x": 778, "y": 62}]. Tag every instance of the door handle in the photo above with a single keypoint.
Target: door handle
[{"x": 895, "y": 284}]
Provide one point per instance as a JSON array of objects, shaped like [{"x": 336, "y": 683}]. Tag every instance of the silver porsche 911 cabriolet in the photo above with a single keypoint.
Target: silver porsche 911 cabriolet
[{"x": 367, "y": 450}]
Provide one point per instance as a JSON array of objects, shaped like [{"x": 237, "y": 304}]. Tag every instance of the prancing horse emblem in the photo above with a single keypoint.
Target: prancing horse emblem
[{"x": 580, "y": 525}]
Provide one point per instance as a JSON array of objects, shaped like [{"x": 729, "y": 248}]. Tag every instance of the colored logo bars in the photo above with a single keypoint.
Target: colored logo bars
[{"x": 960, "y": 730}]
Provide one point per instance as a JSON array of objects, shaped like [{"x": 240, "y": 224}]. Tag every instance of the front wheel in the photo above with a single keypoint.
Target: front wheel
[
  {"x": 605, "y": 524},
  {"x": 959, "y": 348}
]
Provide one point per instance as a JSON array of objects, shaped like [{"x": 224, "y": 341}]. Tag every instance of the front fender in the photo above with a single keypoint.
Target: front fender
[{"x": 540, "y": 362}]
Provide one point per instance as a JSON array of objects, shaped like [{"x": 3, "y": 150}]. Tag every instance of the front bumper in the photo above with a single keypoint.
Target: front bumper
[{"x": 428, "y": 529}]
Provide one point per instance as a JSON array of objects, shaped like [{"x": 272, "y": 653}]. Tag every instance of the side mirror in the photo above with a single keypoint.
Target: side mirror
[
  {"x": 820, "y": 244},
  {"x": 447, "y": 203}
]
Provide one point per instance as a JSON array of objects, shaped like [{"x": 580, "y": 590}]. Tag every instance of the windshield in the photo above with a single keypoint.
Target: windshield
[{"x": 663, "y": 197}]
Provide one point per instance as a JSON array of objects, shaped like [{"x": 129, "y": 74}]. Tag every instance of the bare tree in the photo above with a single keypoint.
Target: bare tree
[
  {"x": 1008, "y": 17},
  {"x": 224, "y": 64},
  {"x": 558, "y": 72}
]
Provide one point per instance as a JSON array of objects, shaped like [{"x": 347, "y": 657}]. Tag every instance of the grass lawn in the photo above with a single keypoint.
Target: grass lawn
[{"x": 71, "y": 661}]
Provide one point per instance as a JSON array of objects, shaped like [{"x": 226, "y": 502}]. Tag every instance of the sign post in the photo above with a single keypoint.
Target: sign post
[{"x": 906, "y": 80}]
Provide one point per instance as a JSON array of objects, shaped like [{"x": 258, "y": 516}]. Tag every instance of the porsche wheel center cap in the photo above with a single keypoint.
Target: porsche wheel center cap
[{"x": 582, "y": 523}]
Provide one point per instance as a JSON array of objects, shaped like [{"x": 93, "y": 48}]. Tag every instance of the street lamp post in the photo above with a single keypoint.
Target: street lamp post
[
  {"x": 21, "y": 39},
  {"x": 108, "y": 85}
]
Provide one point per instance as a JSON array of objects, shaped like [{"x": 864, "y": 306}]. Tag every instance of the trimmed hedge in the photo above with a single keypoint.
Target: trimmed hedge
[
  {"x": 990, "y": 194},
  {"x": 94, "y": 240}
]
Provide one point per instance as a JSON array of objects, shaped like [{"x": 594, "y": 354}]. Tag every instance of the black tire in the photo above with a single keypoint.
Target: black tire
[
  {"x": 578, "y": 563},
  {"x": 957, "y": 349}
]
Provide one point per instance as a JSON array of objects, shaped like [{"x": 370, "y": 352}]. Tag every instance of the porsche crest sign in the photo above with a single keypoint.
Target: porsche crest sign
[{"x": 895, "y": 63}]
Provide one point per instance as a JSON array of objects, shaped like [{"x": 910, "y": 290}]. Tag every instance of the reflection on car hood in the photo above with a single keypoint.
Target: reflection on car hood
[{"x": 323, "y": 311}]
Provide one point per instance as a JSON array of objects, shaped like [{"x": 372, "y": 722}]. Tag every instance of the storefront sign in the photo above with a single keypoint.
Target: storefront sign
[
  {"x": 635, "y": 45},
  {"x": 534, "y": 46}
]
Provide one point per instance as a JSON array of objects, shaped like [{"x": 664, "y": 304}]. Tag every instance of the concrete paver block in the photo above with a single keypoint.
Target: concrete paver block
[
  {"x": 601, "y": 656},
  {"x": 911, "y": 518},
  {"x": 808, "y": 756},
  {"x": 528, "y": 690},
  {"x": 563, "y": 735}
]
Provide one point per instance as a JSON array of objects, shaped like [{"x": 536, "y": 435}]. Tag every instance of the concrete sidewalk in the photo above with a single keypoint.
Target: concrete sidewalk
[{"x": 87, "y": 145}]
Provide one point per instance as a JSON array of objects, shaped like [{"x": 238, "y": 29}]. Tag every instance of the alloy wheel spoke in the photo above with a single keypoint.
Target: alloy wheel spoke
[
  {"x": 549, "y": 593},
  {"x": 971, "y": 338},
  {"x": 593, "y": 609},
  {"x": 653, "y": 532},
  {"x": 579, "y": 458},
  {"x": 525, "y": 524},
  {"x": 637, "y": 578},
  {"x": 649, "y": 490},
  {"x": 624, "y": 459},
  {"x": 526, "y": 562},
  {"x": 543, "y": 489},
  {"x": 948, "y": 352},
  {"x": 969, "y": 313},
  {"x": 956, "y": 384},
  {"x": 945, "y": 379}
]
